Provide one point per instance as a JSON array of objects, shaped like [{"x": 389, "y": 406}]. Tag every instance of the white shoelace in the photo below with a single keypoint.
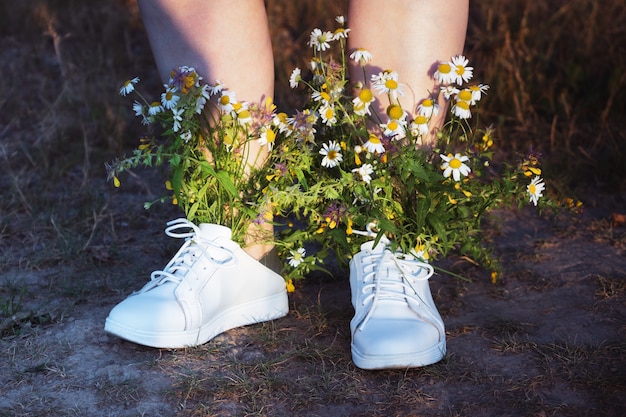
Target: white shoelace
[
  {"x": 387, "y": 277},
  {"x": 194, "y": 248}
]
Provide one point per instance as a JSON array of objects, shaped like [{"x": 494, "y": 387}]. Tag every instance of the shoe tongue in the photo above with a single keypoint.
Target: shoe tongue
[{"x": 214, "y": 231}]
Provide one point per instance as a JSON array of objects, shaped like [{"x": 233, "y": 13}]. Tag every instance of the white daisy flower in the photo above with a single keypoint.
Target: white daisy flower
[
  {"x": 445, "y": 73},
  {"x": 449, "y": 91},
  {"x": 428, "y": 108},
  {"x": 374, "y": 144},
  {"x": 454, "y": 164},
  {"x": 461, "y": 109},
  {"x": 138, "y": 108},
  {"x": 361, "y": 56},
  {"x": 365, "y": 171},
  {"x": 296, "y": 257},
  {"x": 295, "y": 77},
  {"x": 419, "y": 126},
  {"x": 328, "y": 114},
  {"x": 332, "y": 154},
  {"x": 169, "y": 98},
  {"x": 268, "y": 137},
  {"x": 202, "y": 99},
  {"x": 216, "y": 88},
  {"x": 477, "y": 92},
  {"x": 320, "y": 40},
  {"x": 361, "y": 103},
  {"x": 155, "y": 108},
  {"x": 387, "y": 82},
  {"x": 227, "y": 101},
  {"x": 462, "y": 72},
  {"x": 322, "y": 96},
  {"x": 186, "y": 136},
  {"x": 535, "y": 189},
  {"x": 394, "y": 127},
  {"x": 177, "y": 118},
  {"x": 129, "y": 86}
]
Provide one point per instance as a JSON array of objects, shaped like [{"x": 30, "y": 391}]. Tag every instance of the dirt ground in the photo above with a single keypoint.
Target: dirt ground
[{"x": 547, "y": 341}]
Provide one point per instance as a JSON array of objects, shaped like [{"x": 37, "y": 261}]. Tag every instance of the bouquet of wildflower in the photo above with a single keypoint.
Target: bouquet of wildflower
[
  {"x": 213, "y": 145},
  {"x": 353, "y": 174}
]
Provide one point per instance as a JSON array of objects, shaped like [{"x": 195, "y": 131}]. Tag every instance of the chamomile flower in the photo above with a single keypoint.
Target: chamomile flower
[
  {"x": 321, "y": 40},
  {"x": 374, "y": 144},
  {"x": 296, "y": 257},
  {"x": 445, "y": 74},
  {"x": 449, "y": 91},
  {"x": 428, "y": 108},
  {"x": 216, "y": 88},
  {"x": 477, "y": 92},
  {"x": 244, "y": 117},
  {"x": 361, "y": 103},
  {"x": 186, "y": 136},
  {"x": 535, "y": 189},
  {"x": 361, "y": 56},
  {"x": 129, "y": 86},
  {"x": 340, "y": 19},
  {"x": 462, "y": 72},
  {"x": 387, "y": 82},
  {"x": 155, "y": 108},
  {"x": 322, "y": 96},
  {"x": 419, "y": 125},
  {"x": 394, "y": 128},
  {"x": 177, "y": 118},
  {"x": 328, "y": 114},
  {"x": 268, "y": 137},
  {"x": 169, "y": 98},
  {"x": 332, "y": 154},
  {"x": 461, "y": 109},
  {"x": 455, "y": 165},
  {"x": 227, "y": 101},
  {"x": 365, "y": 171},
  {"x": 202, "y": 98},
  {"x": 138, "y": 109},
  {"x": 295, "y": 77},
  {"x": 341, "y": 33}
]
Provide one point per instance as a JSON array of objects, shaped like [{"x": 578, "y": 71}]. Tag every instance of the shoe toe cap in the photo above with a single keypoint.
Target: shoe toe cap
[{"x": 396, "y": 337}]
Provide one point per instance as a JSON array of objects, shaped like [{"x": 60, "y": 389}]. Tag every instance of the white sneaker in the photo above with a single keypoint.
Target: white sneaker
[
  {"x": 396, "y": 323},
  {"x": 211, "y": 285}
]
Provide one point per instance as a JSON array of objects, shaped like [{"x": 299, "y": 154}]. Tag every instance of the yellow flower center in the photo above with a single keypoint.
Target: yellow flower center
[
  {"x": 395, "y": 112},
  {"x": 427, "y": 103},
  {"x": 463, "y": 105},
  {"x": 168, "y": 96},
  {"x": 331, "y": 155},
  {"x": 444, "y": 68},
  {"x": 460, "y": 69},
  {"x": 365, "y": 95},
  {"x": 325, "y": 96},
  {"x": 374, "y": 139},
  {"x": 224, "y": 100},
  {"x": 532, "y": 189},
  {"x": 329, "y": 113},
  {"x": 455, "y": 163},
  {"x": 392, "y": 125},
  {"x": 421, "y": 120},
  {"x": 391, "y": 84},
  {"x": 270, "y": 136},
  {"x": 465, "y": 95},
  {"x": 244, "y": 114}
]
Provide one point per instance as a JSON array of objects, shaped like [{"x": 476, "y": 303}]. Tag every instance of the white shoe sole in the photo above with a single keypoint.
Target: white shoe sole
[
  {"x": 256, "y": 311},
  {"x": 414, "y": 360}
]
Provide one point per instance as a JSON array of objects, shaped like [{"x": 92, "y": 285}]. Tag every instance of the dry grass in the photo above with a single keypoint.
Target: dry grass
[{"x": 557, "y": 71}]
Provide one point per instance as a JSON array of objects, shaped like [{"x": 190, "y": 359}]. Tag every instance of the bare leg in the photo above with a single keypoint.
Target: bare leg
[
  {"x": 409, "y": 37},
  {"x": 223, "y": 40}
]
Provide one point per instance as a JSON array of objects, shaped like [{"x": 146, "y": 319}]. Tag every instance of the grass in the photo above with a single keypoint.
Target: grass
[{"x": 556, "y": 71}]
